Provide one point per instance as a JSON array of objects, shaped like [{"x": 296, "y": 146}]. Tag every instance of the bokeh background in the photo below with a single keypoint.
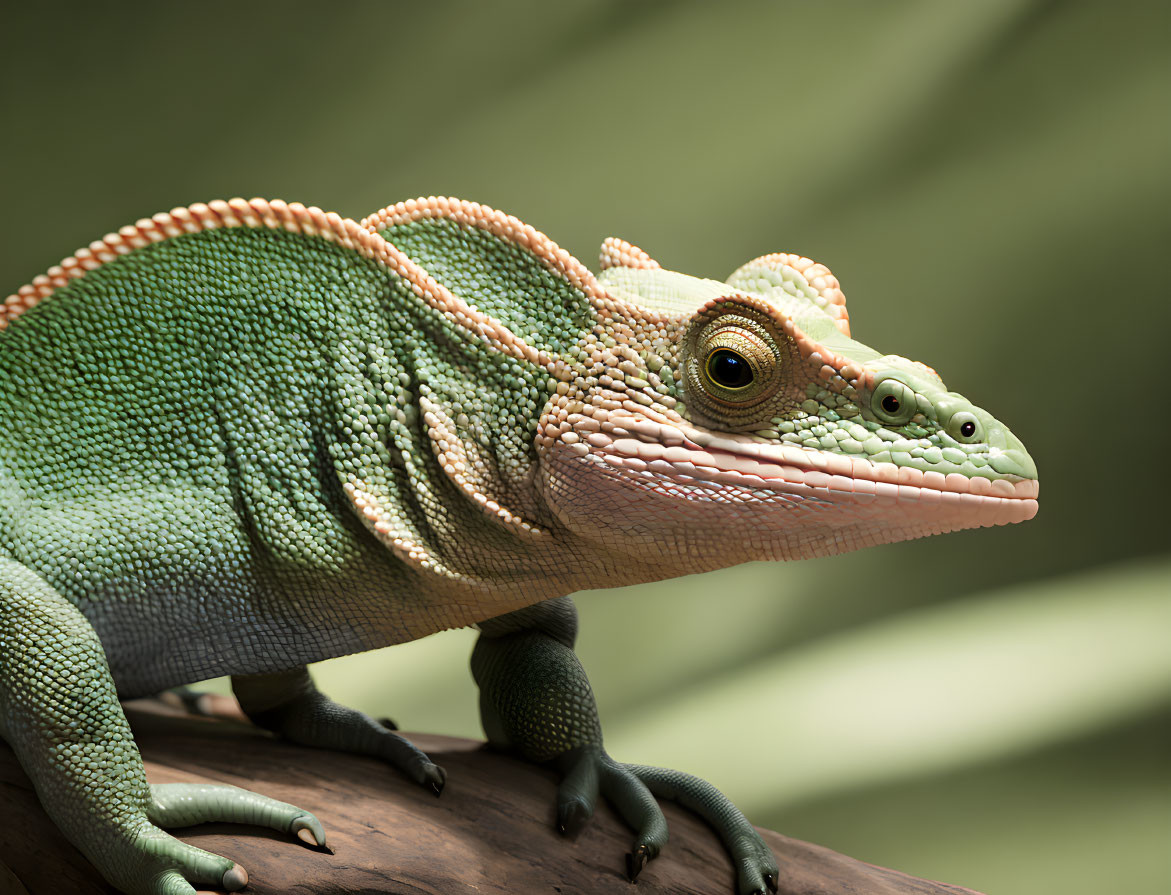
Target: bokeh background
[{"x": 990, "y": 182}]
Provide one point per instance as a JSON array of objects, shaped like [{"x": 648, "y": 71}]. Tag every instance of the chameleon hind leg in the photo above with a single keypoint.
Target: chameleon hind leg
[
  {"x": 288, "y": 703},
  {"x": 59, "y": 712},
  {"x": 536, "y": 700}
]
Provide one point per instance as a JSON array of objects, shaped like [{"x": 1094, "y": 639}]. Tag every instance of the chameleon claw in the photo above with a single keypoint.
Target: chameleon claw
[
  {"x": 310, "y": 831},
  {"x": 236, "y": 877},
  {"x": 635, "y": 862},
  {"x": 305, "y": 836},
  {"x": 436, "y": 778},
  {"x": 572, "y": 818}
]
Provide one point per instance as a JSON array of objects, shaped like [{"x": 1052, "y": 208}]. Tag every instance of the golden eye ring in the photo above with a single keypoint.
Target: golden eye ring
[{"x": 735, "y": 362}]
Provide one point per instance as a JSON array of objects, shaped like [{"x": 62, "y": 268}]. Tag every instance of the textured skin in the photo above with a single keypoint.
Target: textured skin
[{"x": 246, "y": 436}]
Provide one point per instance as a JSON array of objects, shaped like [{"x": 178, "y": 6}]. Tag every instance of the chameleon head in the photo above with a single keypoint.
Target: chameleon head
[{"x": 738, "y": 421}]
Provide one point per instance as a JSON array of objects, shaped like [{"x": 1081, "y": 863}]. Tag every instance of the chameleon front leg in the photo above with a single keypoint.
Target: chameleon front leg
[
  {"x": 59, "y": 712},
  {"x": 288, "y": 703},
  {"x": 536, "y": 700}
]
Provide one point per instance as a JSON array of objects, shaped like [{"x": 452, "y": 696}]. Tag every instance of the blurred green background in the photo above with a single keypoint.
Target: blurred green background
[{"x": 990, "y": 182}]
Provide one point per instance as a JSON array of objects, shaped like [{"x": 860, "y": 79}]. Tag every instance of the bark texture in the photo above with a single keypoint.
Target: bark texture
[{"x": 491, "y": 832}]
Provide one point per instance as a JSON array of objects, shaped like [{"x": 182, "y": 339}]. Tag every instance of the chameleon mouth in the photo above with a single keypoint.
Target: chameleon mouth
[{"x": 641, "y": 446}]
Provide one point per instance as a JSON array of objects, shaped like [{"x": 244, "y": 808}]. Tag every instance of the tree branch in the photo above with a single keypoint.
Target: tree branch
[{"x": 491, "y": 832}]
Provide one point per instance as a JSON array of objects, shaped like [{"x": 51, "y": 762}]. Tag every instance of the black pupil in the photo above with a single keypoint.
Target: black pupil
[
  {"x": 729, "y": 369},
  {"x": 968, "y": 429},
  {"x": 890, "y": 404}
]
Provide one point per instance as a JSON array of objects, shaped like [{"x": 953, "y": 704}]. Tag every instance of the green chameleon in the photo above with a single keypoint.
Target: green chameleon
[{"x": 245, "y": 436}]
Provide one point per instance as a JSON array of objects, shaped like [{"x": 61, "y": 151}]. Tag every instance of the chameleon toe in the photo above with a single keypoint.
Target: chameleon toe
[
  {"x": 572, "y": 816},
  {"x": 755, "y": 874}
]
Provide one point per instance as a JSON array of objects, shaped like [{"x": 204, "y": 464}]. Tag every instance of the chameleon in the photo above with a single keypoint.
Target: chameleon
[{"x": 244, "y": 436}]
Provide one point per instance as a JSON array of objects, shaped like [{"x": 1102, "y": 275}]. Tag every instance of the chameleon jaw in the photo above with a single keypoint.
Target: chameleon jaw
[
  {"x": 823, "y": 475},
  {"x": 772, "y": 501}
]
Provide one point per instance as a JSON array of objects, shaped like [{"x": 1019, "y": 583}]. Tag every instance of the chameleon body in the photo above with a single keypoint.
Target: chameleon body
[{"x": 245, "y": 436}]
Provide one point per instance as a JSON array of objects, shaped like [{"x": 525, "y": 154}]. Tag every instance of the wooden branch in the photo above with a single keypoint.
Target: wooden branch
[{"x": 491, "y": 832}]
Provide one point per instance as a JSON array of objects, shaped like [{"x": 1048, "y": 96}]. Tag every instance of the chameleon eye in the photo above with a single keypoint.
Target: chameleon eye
[
  {"x": 736, "y": 362},
  {"x": 964, "y": 427},
  {"x": 893, "y": 402},
  {"x": 735, "y": 366},
  {"x": 729, "y": 369}
]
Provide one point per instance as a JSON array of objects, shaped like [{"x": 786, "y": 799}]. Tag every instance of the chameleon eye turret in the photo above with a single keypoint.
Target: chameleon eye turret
[
  {"x": 965, "y": 427},
  {"x": 893, "y": 402},
  {"x": 737, "y": 362}
]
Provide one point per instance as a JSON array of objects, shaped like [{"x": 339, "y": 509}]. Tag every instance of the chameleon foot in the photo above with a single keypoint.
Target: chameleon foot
[
  {"x": 203, "y": 705},
  {"x": 756, "y": 868},
  {"x": 535, "y": 698},
  {"x": 166, "y": 866},
  {"x": 289, "y": 704},
  {"x": 591, "y": 771},
  {"x": 398, "y": 751}
]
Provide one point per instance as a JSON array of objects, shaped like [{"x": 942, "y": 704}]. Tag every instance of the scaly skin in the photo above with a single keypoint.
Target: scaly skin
[{"x": 246, "y": 436}]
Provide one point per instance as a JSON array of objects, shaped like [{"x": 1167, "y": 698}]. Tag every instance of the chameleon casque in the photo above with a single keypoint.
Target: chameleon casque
[{"x": 245, "y": 436}]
